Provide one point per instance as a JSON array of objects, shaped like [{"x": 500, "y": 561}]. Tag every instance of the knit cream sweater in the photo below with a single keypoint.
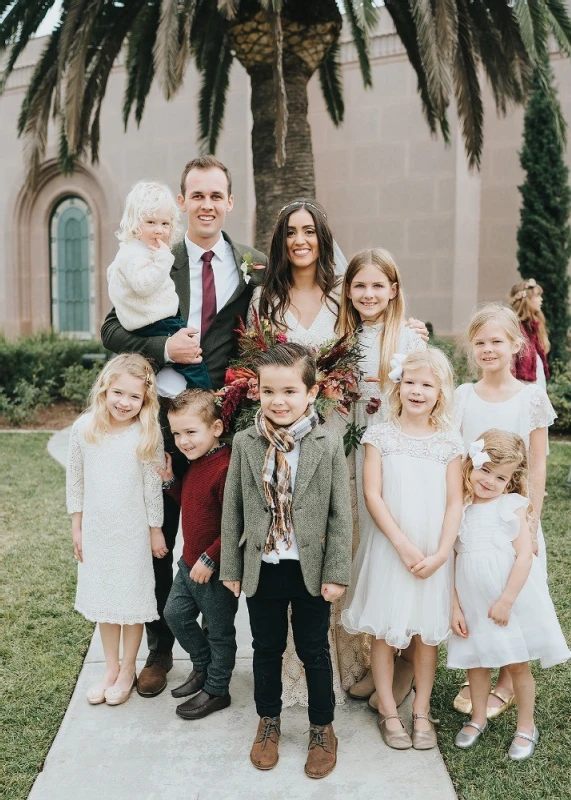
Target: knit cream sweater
[{"x": 140, "y": 285}]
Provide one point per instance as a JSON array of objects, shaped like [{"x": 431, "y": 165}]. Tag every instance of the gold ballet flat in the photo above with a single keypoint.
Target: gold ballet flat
[
  {"x": 96, "y": 695},
  {"x": 507, "y": 702},
  {"x": 461, "y": 703},
  {"x": 398, "y": 740},
  {"x": 115, "y": 697},
  {"x": 424, "y": 740}
]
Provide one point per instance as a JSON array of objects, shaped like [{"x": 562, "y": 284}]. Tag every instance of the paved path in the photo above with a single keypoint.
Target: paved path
[{"x": 143, "y": 751}]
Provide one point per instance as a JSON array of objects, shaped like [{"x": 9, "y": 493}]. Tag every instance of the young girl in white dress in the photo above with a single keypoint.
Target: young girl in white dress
[
  {"x": 402, "y": 585},
  {"x": 373, "y": 308},
  {"x": 115, "y": 499},
  {"x": 498, "y": 400},
  {"x": 503, "y": 614}
]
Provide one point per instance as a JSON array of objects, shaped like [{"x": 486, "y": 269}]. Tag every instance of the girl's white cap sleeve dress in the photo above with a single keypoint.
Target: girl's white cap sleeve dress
[{"x": 484, "y": 560}]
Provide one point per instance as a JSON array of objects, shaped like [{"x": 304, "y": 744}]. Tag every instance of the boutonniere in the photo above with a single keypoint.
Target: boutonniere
[{"x": 247, "y": 266}]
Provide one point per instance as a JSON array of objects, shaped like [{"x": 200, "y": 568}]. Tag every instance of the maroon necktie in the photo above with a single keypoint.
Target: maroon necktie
[{"x": 208, "y": 293}]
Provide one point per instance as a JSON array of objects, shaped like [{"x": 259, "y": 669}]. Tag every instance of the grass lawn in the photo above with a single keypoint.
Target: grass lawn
[
  {"x": 44, "y": 640},
  {"x": 485, "y": 772}
]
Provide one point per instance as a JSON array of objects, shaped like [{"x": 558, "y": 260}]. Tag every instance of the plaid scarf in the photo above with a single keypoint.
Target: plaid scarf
[{"x": 276, "y": 475}]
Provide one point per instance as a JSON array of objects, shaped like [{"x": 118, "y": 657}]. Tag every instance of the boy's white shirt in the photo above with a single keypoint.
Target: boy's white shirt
[
  {"x": 292, "y": 554},
  {"x": 140, "y": 286}
]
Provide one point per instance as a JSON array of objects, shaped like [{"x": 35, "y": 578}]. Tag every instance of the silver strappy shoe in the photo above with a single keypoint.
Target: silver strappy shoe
[
  {"x": 467, "y": 740},
  {"x": 519, "y": 752}
]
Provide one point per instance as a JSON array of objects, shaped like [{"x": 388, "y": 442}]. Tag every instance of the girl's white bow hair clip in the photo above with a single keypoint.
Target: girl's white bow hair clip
[
  {"x": 478, "y": 454},
  {"x": 396, "y": 363}
]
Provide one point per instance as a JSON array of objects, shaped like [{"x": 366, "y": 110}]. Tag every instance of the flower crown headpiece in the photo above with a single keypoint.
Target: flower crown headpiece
[
  {"x": 303, "y": 203},
  {"x": 529, "y": 284}
]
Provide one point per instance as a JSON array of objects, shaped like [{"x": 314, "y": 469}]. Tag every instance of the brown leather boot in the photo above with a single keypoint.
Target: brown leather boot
[
  {"x": 322, "y": 751},
  {"x": 364, "y": 688},
  {"x": 153, "y": 677},
  {"x": 264, "y": 753}
]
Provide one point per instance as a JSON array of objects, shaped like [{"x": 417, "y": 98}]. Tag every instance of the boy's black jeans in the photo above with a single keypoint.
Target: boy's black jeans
[
  {"x": 279, "y": 585},
  {"x": 196, "y": 375}
]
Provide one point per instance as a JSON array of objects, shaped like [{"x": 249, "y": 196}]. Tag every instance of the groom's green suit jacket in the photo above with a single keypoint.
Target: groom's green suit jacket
[{"x": 219, "y": 342}]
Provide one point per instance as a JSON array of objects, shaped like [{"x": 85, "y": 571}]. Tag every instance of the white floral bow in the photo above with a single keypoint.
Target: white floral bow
[
  {"x": 396, "y": 363},
  {"x": 478, "y": 454}
]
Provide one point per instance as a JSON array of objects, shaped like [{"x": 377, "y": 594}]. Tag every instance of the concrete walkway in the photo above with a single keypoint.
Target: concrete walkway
[{"x": 143, "y": 751}]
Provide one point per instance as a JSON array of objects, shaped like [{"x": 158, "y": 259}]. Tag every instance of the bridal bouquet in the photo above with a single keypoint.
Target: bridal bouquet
[{"x": 337, "y": 375}]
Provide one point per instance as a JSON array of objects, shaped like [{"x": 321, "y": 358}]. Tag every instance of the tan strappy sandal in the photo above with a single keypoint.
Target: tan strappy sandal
[{"x": 398, "y": 740}]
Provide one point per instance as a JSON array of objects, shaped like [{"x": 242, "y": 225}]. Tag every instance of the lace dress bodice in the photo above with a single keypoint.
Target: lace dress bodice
[{"x": 321, "y": 330}]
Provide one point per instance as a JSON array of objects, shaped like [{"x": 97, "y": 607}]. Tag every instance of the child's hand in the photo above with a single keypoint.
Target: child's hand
[
  {"x": 409, "y": 554},
  {"x": 331, "y": 591},
  {"x": 158, "y": 544},
  {"x": 166, "y": 473},
  {"x": 418, "y": 327},
  {"x": 76, "y": 538},
  {"x": 500, "y": 612},
  {"x": 234, "y": 587},
  {"x": 427, "y": 566},
  {"x": 458, "y": 623},
  {"x": 200, "y": 573}
]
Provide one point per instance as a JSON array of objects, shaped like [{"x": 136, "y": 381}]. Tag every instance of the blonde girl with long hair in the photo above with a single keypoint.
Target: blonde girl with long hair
[
  {"x": 114, "y": 496},
  {"x": 503, "y": 615},
  {"x": 526, "y": 299},
  {"x": 373, "y": 307},
  {"x": 402, "y": 580},
  {"x": 499, "y": 400}
]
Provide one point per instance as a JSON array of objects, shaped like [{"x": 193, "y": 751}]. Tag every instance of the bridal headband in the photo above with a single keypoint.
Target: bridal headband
[
  {"x": 303, "y": 203},
  {"x": 478, "y": 454},
  {"x": 530, "y": 284}
]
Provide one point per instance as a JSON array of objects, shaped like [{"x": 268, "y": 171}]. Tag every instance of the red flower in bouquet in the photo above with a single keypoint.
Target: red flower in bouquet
[{"x": 373, "y": 405}]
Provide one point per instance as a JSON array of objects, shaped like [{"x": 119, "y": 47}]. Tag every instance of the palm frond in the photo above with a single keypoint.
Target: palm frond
[
  {"x": 172, "y": 43},
  {"x": 431, "y": 54},
  {"x": 406, "y": 29},
  {"x": 228, "y": 8},
  {"x": 560, "y": 24},
  {"x": 360, "y": 40},
  {"x": 212, "y": 98},
  {"x": 446, "y": 21},
  {"x": 280, "y": 133},
  {"x": 139, "y": 62},
  {"x": 16, "y": 30},
  {"x": 467, "y": 89},
  {"x": 331, "y": 85},
  {"x": 367, "y": 12}
]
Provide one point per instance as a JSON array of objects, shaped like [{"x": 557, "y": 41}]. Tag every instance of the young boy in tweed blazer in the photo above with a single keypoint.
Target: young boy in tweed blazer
[{"x": 286, "y": 538}]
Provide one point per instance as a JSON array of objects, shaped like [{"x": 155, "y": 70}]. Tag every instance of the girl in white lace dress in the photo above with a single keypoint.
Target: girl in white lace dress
[
  {"x": 401, "y": 586},
  {"x": 114, "y": 496},
  {"x": 503, "y": 614},
  {"x": 498, "y": 400}
]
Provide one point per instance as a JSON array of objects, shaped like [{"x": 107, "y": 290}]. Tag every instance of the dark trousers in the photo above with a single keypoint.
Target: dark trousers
[
  {"x": 282, "y": 584},
  {"x": 196, "y": 375},
  {"x": 214, "y": 653},
  {"x": 159, "y": 635}
]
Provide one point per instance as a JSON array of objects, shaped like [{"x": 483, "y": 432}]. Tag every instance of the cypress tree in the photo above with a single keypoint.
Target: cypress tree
[{"x": 544, "y": 235}]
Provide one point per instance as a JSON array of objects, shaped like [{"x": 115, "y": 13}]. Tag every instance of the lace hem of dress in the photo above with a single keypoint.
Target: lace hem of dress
[{"x": 138, "y": 619}]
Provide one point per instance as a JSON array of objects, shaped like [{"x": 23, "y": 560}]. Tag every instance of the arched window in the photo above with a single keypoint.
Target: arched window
[{"x": 72, "y": 268}]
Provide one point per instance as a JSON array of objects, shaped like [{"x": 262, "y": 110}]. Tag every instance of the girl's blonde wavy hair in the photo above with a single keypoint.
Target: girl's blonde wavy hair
[
  {"x": 144, "y": 200},
  {"x": 349, "y": 319},
  {"x": 442, "y": 416},
  {"x": 504, "y": 316},
  {"x": 502, "y": 447},
  {"x": 520, "y": 299},
  {"x": 137, "y": 366}
]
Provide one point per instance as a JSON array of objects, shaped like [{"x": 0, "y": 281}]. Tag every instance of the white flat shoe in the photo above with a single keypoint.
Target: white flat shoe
[
  {"x": 96, "y": 695},
  {"x": 519, "y": 752},
  {"x": 115, "y": 697},
  {"x": 466, "y": 740}
]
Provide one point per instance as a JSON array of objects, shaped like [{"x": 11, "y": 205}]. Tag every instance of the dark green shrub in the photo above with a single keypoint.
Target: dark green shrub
[
  {"x": 77, "y": 383},
  {"x": 456, "y": 357},
  {"x": 40, "y": 358},
  {"x": 26, "y": 399},
  {"x": 559, "y": 391}
]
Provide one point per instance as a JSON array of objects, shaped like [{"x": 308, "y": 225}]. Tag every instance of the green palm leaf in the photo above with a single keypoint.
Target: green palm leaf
[{"x": 331, "y": 85}]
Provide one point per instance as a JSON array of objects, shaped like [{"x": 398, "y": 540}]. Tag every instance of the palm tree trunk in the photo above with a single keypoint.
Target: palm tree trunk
[{"x": 275, "y": 186}]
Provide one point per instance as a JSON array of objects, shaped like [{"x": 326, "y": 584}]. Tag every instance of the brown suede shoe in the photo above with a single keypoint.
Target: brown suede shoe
[
  {"x": 152, "y": 679},
  {"x": 403, "y": 681},
  {"x": 264, "y": 753},
  {"x": 322, "y": 751},
  {"x": 364, "y": 688}
]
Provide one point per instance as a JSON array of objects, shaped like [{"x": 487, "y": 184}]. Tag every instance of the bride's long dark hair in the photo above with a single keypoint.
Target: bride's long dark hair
[{"x": 274, "y": 298}]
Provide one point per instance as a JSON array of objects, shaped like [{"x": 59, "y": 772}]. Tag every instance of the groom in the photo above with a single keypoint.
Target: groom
[{"x": 212, "y": 292}]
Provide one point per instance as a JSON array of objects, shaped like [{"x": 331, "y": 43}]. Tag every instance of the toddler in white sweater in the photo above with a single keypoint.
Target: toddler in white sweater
[{"x": 139, "y": 281}]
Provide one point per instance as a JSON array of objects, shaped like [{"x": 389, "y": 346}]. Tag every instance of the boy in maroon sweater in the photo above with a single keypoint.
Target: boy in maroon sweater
[{"x": 196, "y": 426}]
